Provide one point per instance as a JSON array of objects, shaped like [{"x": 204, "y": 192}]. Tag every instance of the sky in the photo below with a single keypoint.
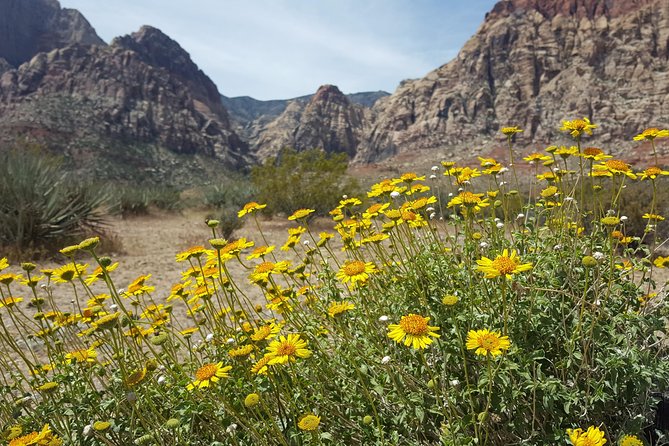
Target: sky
[{"x": 280, "y": 49}]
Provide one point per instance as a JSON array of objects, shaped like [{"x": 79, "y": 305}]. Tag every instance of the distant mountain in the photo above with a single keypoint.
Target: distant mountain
[
  {"x": 533, "y": 63},
  {"x": 137, "y": 109},
  {"x": 28, "y": 27}
]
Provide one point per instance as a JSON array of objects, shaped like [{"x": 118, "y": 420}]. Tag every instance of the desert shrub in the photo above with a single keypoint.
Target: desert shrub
[
  {"x": 41, "y": 204},
  {"x": 309, "y": 179},
  {"x": 229, "y": 194},
  {"x": 139, "y": 199}
]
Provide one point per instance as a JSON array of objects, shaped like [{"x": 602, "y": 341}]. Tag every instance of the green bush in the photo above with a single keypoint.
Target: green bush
[
  {"x": 137, "y": 199},
  {"x": 309, "y": 179},
  {"x": 41, "y": 205}
]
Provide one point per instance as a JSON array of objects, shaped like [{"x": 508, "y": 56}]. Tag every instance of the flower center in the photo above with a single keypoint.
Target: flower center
[
  {"x": 653, "y": 171},
  {"x": 489, "y": 342},
  {"x": 578, "y": 124},
  {"x": 286, "y": 349},
  {"x": 592, "y": 151},
  {"x": 265, "y": 267},
  {"x": 469, "y": 198},
  {"x": 617, "y": 165},
  {"x": 503, "y": 264},
  {"x": 354, "y": 268},
  {"x": 414, "y": 324},
  {"x": 206, "y": 372}
]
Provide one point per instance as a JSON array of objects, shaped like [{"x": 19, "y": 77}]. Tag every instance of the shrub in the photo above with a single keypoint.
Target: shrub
[
  {"x": 310, "y": 179},
  {"x": 138, "y": 199},
  {"x": 41, "y": 205}
]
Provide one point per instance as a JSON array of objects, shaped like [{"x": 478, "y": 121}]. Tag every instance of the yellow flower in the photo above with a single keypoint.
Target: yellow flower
[
  {"x": 653, "y": 172},
  {"x": 301, "y": 213},
  {"x": 614, "y": 167},
  {"x": 337, "y": 308},
  {"x": 487, "y": 342},
  {"x": 135, "y": 377},
  {"x": 287, "y": 349},
  {"x": 251, "y": 400},
  {"x": 550, "y": 191},
  {"x": 651, "y": 133},
  {"x": 267, "y": 331},
  {"x": 595, "y": 154},
  {"x": 260, "y": 251},
  {"x": 630, "y": 440},
  {"x": 592, "y": 437},
  {"x": 99, "y": 273},
  {"x": 661, "y": 262},
  {"x": 69, "y": 272},
  {"x": 309, "y": 422},
  {"x": 9, "y": 302},
  {"x": 4, "y": 264},
  {"x": 449, "y": 300},
  {"x": 249, "y": 208},
  {"x": 45, "y": 437},
  {"x": 192, "y": 252},
  {"x": 261, "y": 367},
  {"x": 565, "y": 152},
  {"x": 83, "y": 355},
  {"x": 413, "y": 330},
  {"x": 356, "y": 271},
  {"x": 469, "y": 200},
  {"x": 209, "y": 373},
  {"x": 509, "y": 131},
  {"x": 503, "y": 266},
  {"x": 534, "y": 157},
  {"x": 241, "y": 351},
  {"x": 656, "y": 217},
  {"x": 137, "y": 287},
  {"x": 577, "y": 127}
]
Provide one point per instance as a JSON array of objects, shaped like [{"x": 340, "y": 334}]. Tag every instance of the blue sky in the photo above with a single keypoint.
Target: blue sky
[{"x": 276, "y": 49}]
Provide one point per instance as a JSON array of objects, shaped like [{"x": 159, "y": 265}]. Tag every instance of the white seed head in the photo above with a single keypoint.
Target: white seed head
[
  {"x": 394, "y": 194},
  {"x": 385, "y": 360},
  {"x": 383, "y": 318}
]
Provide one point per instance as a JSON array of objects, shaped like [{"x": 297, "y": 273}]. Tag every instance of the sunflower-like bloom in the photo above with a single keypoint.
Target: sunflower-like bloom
[
  {"x": 192, "y": 252},
  {"x": 4, "y": 264},
  {"x": 630, "y": 440},
  {"x": 267, "y": 331},
  {"x": 652, "y": 173},
  {"x": 356, "y": 271},
  {"x": 413, "y": 330},
  {"x": 504, "y": 265},
  {"x": 301, "y": 213},
  {"x": 650, "y": 134},
  {"x": 469, "y": 200},
  {"x": 250, "y": 208},
  {"x": 309, "y": 422},
  {"x": 661, "y": 262},
  {"x": 83, "y": 355},
  {"x": 209, "y": 373},
  {"x": 655, "y": 217},
  {"x": 578, "y": 127},
  {"x": 510, "y": 131},
  {"x": 592, "y": 437},
  {"x": 565, "y": 152},
  {"x": 286, "y": 349},
  {"x": 595, "y": 154},
  {"x": 337, "y": 308},
  {"x": 68, "y": 272},
  {"x": 260, "y": 252},
  {"x": 486, "y": 342},
  {"x": 613, "y": 167},
  {"x": 44, "y": 437},
  {"x": 534, "y": 157}
]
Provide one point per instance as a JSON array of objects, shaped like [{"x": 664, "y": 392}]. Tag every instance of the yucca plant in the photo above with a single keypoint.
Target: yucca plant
[{"x": 40, "y": 203}]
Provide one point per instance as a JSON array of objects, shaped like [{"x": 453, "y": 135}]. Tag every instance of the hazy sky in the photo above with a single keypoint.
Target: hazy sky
[{"x": 276, "y": 49}]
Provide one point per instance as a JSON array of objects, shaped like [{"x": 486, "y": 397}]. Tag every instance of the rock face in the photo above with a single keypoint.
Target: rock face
[
  {"x": 140, "y": 101},
  {"x": 28, "y": 27},
  {"x": 328, "y": 120},
  {"x": 533, "y": 63},
  {"x": 260, "y": 121}
]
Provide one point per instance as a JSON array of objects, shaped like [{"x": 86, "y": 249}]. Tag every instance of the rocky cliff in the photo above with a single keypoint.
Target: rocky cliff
[
  {"x": 327, "y": 120},
  {"x": 131, "y": 108},
  {"x": 28, "y": 27},
  {"x": 533, "y": 63}
]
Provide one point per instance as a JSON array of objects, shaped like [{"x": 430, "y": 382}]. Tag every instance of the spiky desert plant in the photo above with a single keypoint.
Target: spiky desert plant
[{"x": 40, "y": 203}]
